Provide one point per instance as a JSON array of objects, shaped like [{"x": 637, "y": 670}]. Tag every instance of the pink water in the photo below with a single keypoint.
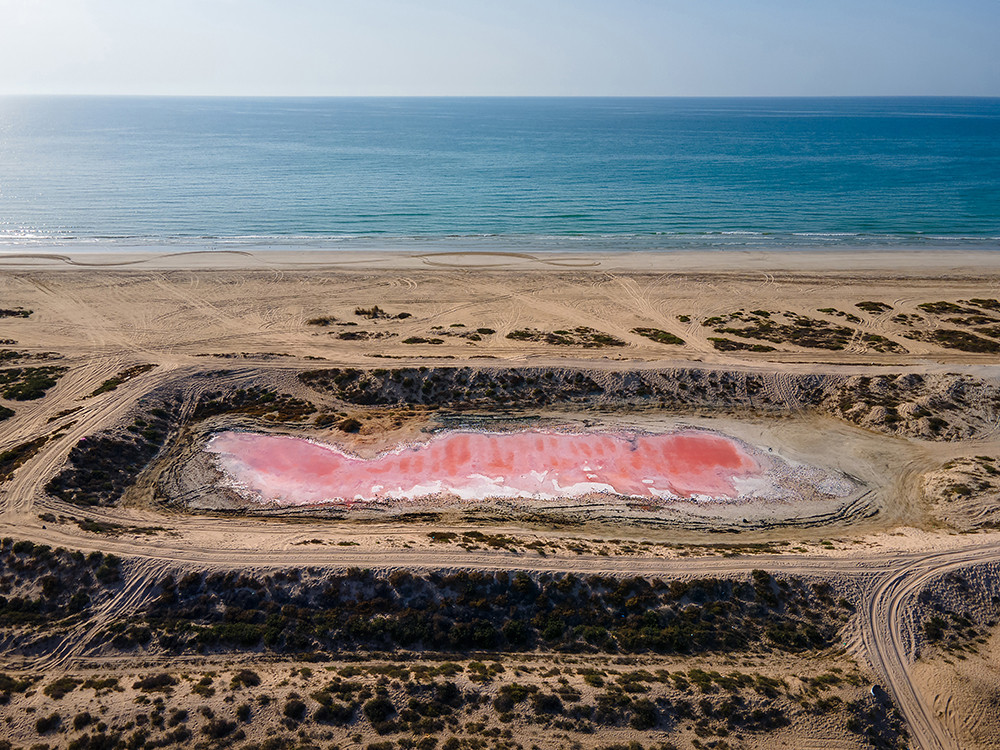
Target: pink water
[{"x": 474, "y": 465}]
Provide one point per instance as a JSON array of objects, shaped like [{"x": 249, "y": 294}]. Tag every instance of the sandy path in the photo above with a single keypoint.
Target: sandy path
[
  {"x": 889, "y": 638},
  {"x": 141, "y": 574}
]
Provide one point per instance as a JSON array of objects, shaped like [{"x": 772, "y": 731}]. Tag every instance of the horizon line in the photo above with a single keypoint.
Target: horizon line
[{"x": 491, "y": 96}]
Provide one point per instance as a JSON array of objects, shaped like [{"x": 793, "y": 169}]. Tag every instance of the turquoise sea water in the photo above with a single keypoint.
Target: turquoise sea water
[{"x": 486, "y": 173}]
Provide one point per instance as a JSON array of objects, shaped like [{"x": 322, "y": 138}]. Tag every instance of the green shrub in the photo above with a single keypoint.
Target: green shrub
[
  {"x": 546, "y": 703},
  {"x": 245, "y": 678},
  {"x": 47, "y": 724},
  {"x": 294, "y": 709},
  {"x": 218, "y": 728},
  {"x": 644, "y": 714},
  {"x": 378, "y": 709},
  {"x": 82, "y": 720},
  {"x": 58, "y": 688},
  {"x": 156, "y": 683},
  {"x": 660, "y": 337}
]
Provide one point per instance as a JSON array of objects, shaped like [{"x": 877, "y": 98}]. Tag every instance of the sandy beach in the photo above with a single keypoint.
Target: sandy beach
[
  {"x": 897, "y": 262},
  {"x": 208, "y": 304}
]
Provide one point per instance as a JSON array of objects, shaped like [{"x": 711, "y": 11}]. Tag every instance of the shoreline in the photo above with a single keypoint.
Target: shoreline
[{"x": 899, "y": 262}]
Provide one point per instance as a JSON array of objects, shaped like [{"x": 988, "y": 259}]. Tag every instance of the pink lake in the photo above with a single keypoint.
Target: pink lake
[{"x": 476, "y": 465}]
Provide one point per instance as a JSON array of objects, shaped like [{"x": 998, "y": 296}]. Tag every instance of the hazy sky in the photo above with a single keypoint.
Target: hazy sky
[{"x": 501, "y": 47}]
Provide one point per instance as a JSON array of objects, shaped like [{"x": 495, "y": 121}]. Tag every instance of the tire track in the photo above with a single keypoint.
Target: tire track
[{"x": 141, "y": 577}]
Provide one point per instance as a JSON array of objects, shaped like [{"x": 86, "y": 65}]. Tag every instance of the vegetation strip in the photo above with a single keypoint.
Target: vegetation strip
[
  {"x": 28, "y": 383},
  {"x": 123, "y": 377}
]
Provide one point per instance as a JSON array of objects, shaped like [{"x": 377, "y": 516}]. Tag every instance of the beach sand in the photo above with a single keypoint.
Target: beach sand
[{"x": 196, "y": 305}]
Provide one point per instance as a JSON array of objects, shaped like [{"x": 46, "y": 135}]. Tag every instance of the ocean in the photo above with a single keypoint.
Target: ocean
[{"x": 84, "y": 173}]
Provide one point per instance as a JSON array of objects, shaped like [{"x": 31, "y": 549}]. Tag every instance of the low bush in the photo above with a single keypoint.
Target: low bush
[
  {"x": 294, "y": 709},
  {"x": 47, "y": 724}
]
